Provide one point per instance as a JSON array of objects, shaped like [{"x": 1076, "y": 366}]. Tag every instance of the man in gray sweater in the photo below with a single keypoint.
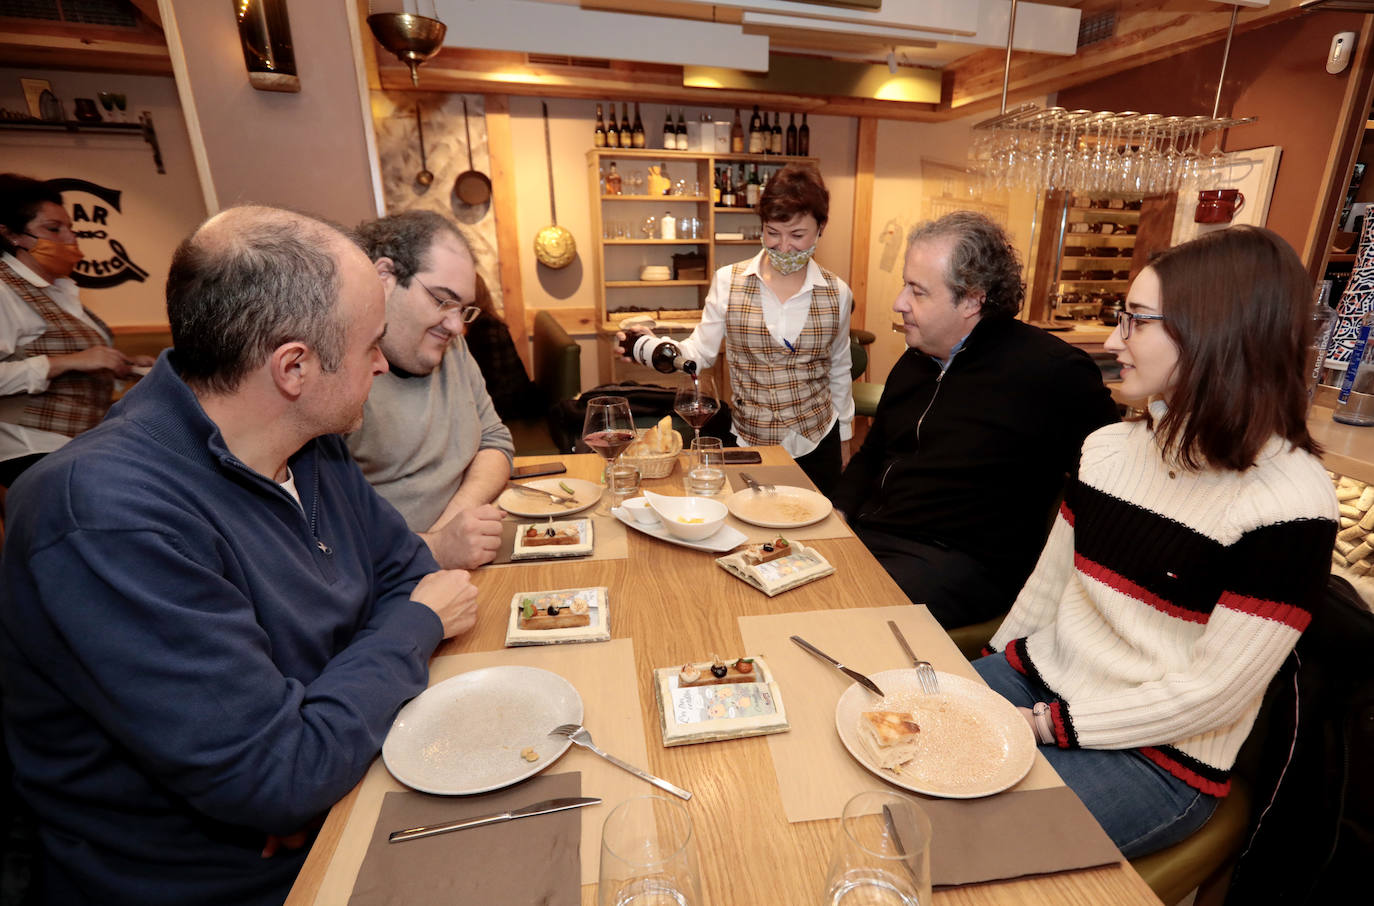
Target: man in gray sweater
[{"x": 431, "y": 442}]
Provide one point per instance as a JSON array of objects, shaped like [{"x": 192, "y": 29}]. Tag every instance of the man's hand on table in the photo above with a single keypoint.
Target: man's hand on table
[
  {"x": 469, "y": 539},
  {"x": 453, "y": 598}
]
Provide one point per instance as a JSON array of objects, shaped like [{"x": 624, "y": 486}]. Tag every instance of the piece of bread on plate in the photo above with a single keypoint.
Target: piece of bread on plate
[{"x": 889, "y": 737}]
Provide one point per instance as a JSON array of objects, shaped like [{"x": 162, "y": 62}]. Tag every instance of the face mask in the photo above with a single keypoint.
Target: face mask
[
  {"x": 56, "y": 258},
  {"x": 789, "y": 262}
]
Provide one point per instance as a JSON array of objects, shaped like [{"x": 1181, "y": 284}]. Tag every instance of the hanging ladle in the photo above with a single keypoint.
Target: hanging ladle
[
  {"x": 424, "y": 177},
  {"x": 472, "y": 186}
]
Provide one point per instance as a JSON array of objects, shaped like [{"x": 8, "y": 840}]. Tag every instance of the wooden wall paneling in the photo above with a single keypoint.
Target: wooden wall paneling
[
  {"x": 1345, "y": 150},
  {"x": 502, "y": 155},
  {"x": 1156, "y": 229},
  {"x": 861, "y": 238},
  {"x": 1047, "y": 253}
]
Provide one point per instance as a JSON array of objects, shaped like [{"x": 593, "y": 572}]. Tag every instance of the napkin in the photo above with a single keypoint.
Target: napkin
[
  {"x": 1013, "y": 834},
  {"x": 530, "y": 860}
]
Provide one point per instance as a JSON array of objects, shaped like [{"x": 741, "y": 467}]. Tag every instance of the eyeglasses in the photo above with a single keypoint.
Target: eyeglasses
[
  {"x": 469, "y": 313},
  {"x": 1126, "y": 321}
]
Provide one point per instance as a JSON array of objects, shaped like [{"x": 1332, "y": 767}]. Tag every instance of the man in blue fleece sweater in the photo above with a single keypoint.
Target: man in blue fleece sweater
[{"x": 208, "y": 619}]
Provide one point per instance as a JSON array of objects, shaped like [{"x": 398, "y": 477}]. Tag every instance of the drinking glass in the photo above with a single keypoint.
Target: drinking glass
[
  {"x": 121, "y": 102},
  {"x": 706, "y": 477},
  {"x": 107, "y": 101},
  {"x": 881, "y": 855},
  {"x": 696, "y": 403},
  {"x": 607, "y": 430},
  {"x": 648, "y": 855},
  {"x": 623, "y": 481}
]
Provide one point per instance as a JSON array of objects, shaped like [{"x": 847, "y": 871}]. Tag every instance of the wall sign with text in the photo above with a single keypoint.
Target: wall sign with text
[{"x": 97, "y": 222}]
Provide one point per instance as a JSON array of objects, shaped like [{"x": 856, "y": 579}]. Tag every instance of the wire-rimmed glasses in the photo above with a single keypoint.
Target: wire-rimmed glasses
[{"x": 468, "y": 312}]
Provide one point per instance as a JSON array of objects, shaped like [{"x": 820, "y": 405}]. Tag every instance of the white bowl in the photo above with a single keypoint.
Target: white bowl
[
  {"x": 655, "y": 272},
  {"x": 640, "y": 510},
  {"x": 673, "y": 510}
]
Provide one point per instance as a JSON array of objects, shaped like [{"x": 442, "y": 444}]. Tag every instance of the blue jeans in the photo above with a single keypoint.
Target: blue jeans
[{"x": 1141, "y": 806}]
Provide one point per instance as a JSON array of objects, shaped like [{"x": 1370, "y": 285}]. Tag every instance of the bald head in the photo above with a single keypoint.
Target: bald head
[{"x": 247, "y": 281}]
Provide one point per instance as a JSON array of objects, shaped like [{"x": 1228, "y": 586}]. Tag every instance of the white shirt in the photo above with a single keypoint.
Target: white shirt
[
  {"x": 19, "y": 325},
  {"x": 784, "y": 321}
]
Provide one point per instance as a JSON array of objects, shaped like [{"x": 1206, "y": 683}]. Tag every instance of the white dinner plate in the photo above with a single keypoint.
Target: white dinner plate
[
  {"x": 726, "y": 539},
  {"x": 522, "y": 503},
  {"x": 784, "y": 507},
  {"x": 988, "y": 747},
  {"x": 466, "y": 734}
]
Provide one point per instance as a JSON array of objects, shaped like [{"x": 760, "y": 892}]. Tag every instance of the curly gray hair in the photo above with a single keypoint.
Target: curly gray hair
[{"x": 982, "y": 260}]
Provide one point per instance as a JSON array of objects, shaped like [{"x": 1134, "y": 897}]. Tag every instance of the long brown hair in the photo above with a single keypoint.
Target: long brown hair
[{"x": 1236, "y": 302}]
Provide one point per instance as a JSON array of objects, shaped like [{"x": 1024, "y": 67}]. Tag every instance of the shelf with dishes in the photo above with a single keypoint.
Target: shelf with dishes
[{"x": 628, "y": 236}]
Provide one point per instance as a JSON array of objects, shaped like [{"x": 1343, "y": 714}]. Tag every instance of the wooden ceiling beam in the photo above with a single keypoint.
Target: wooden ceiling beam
[
  {"x": 142, "y": 51},
  {"x": 1146, "y": 31}
]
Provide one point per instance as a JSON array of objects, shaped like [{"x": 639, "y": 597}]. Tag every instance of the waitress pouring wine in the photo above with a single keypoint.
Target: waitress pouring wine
[{"x": 784, "y": 321}]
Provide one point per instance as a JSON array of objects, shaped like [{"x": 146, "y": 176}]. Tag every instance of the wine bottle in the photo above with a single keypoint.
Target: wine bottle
[
  {"x": 612, "y": 131},
  {"x": 727, "y": 191},
  {"x": 715, "y": 189},
  {"x": 627, "y": 132},
  {"x": 804, "y": 139},
  {"x": 681, "y": 131},
  {"x": 741, "y": 189},
  {"x": 755, "y": 132},
  {"x": 669, "y": 131},
  {"x": 753, "y": 189},
  {"x": 791, "y": 143},
  {"x": 736, "y": 135},
  {"x": 658, "y": 353},
  {"x": 637, "y": 139},
  {"x": 775, "y": 144}
]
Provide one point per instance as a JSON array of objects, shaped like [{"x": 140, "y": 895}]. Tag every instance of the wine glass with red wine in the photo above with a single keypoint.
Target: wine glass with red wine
[
  {"x": 608, "y": 429},
  {"x": 696, "y": 403}
]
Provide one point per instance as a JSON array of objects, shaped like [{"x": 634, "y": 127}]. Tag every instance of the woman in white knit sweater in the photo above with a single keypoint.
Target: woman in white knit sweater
[{"x": 1189, "y": 550}]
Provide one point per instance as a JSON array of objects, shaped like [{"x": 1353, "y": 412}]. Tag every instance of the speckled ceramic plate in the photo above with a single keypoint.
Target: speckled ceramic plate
[
  {"x": 466, "y": 734},
  {"x": 973, "y": 742},
  {"x": 783, "y": 507},
  {"x": 523, "y": 503}
]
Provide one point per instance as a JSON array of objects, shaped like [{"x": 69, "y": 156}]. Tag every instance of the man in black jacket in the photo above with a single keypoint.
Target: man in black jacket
[{"x": 981, "y": 420}]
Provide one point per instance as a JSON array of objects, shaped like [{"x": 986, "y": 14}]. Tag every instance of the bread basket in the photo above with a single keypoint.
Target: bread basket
[{"x": 655, "y": 465}]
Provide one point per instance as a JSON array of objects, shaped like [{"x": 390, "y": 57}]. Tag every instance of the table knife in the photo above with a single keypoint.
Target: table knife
[
  {"x": 855, "y": 675},
  {"x": 538, "y": 808},
  {"x": 557, "y": 498}
]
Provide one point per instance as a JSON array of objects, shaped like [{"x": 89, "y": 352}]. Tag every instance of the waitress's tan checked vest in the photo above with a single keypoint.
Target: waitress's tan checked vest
[
  {"x": 75, "y": 401},
  {"x": 779, "y": 389}
]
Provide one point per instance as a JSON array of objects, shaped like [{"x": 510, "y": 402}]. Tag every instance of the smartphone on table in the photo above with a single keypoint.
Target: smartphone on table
[
  {"x": 535, "y": 469},
  {"x": 738, "y": 457}
]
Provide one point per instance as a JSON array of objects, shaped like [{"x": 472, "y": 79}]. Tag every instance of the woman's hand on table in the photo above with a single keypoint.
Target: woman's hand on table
[
  {"x": 453, "y": 598},
  {"x": 93, "y": 358},
  {"x": 469, "y": 539}
]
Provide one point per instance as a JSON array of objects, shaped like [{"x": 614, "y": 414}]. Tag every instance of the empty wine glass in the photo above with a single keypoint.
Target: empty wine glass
[{"x": 608, "y": 429}]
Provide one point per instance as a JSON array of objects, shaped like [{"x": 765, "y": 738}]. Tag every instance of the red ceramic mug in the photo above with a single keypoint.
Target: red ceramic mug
[{"x": 1218, "y": 205}]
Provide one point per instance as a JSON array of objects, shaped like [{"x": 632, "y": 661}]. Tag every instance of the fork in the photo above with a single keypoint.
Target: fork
[
  {"x": 556, "y": 498},
  {"x": 579, "y": 735},
  {"x": 925, "y": 671},
  {"x": 754, "y": 485}
]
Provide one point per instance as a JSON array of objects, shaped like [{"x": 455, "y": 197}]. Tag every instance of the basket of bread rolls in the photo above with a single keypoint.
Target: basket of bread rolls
[{"x": 654, "y": 452}]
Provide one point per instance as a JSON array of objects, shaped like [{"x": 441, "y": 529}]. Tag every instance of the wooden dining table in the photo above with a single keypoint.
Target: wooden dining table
[{"x": 676, "y": 605}]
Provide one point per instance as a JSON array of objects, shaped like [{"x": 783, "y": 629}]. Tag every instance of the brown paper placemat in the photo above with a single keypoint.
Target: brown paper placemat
[
  {"x": 1012, "y": 835},
  {"x": 816, "y": 774},
  {"x": 603, "y": 675},
  {"x": 609, "y": 540},
  {"x": 532, "y": 860}
]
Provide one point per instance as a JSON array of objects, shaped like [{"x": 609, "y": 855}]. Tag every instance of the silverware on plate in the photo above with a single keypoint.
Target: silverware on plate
[
  {"x": 580, "y": 736},
  {"x": 539, "y": 808},
  {"x": 855, "y": 675},
  {"x": 925, "y": 671},
  {"x": 557, "y": 498}
]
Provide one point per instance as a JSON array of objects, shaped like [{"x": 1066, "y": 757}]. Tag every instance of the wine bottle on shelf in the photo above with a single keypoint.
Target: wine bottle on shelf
[
  {"x": 669, "y": 131},
  {"x": 637, "y": 137},
  {"x": 599, "y": 136},
  {"x": 791, "y": 140},
  {"x": 715, "y": 188},
  {"x": 741, "y": 189},
  {"x": 776, "y": 144},
  {"x": 753, "y": 189},
  {"x": 727, "y": 191},
  {"x": 681, "y": 131},
  {"x": 737, "y": 135},
  {"x": 804, "y": 139},
  {"x": 612, "y": 131},
  {"x": 755, "y": 132},
  {"x": 627, "y": 133}
]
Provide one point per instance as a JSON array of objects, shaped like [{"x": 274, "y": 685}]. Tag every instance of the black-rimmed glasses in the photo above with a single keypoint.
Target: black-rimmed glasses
[
  {"x": 469, "y": 313},
  {"x": 1126, "y": 321}
]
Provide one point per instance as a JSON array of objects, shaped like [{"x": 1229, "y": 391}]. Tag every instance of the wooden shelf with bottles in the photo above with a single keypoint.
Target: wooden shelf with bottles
[
  {"x": 616, "y": 269},
  {"x": 1095, "y": 251}
]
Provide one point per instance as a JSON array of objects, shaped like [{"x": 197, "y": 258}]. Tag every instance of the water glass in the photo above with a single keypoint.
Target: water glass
[
  {"x": 881, "y": 856},
  {"x": 706, "y": 475},
  {"x": 623, "y": 482},
  {"x": 648, "y": 855}
]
